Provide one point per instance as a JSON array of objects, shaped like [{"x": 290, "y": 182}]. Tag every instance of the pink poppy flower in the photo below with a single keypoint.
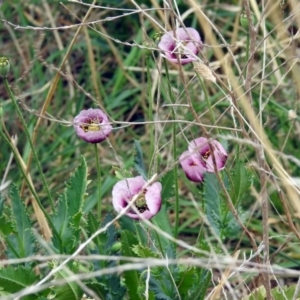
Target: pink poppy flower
[
  {"x": 187, "y": 44},
  {"x": 92, "y": 125},
  {"x": 148, "y": 202},
  {"x": 200, "y": 148},
  {"x": 193, "y": 167},
  {"x": 199, "y": 158}
]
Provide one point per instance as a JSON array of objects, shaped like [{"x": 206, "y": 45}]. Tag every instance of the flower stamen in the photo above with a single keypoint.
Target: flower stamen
[
  {"x": 181, "y": 49},
  {"x": 207, "y": 154},
  {"x": 140, "y": 202},
  {"x": 93, "y": 125}
]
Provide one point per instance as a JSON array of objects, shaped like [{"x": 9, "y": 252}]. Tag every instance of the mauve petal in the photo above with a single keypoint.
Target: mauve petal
[
  {"x": 193, "y": 168},
  {"x": 92, "y": 136},
  {"x": 153, "y": 197},
  {"x": 133, "y": 216},
  {"x": 220, "y": 157},
  {"x": 199, "y": 145},
  {"x": 126, "y": 189},
  {"x": 145, "y": 215},
  {"x": 119, "y": 196},
  {"x": 188, "y": 34},
  {"x": 192, "y": 41},
  {"x": 167, "y": 42},
  {"x": 130, "y": 186}
]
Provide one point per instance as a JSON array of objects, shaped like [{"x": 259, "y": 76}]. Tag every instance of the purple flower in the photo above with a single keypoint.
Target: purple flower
[
  {"x": 92, "y": 125},
  {"x": 199, "y": 158},
  {"x": 193, "y": 167},
  {"x": 186, "y": 44},
  {"x": 148, "y": 202}
]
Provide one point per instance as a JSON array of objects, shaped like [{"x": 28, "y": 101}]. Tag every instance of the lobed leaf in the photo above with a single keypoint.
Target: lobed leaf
[
  {"x": 186, "y": 281},
  {"x": 76, "y": 189},
  {"x": 67, "y": 218},
  {"x": 131, "y": 277},
  {"x": 22, "y": 240},
  {"x": 200, "y": 290},
  {"x": 68, "y": 291},
  {"x": 14, "y": 279},
  {"x": 144, "y": 252},
  {"x": 161, "y": 220},
  {"x": 212, "y": 202},
  {"x": 286, "y": 292},
  {"x": 158, "y": 289},
  {"x": 61, "y": 221},
  {"x": 6, "y": 225},
  {"x": 98, "y": 288}
]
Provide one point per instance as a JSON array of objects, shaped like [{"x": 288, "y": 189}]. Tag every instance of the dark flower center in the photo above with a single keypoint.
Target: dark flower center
[
  {"x": 180, "y": 49},
  {"x": 92, "y": 125},
  {"x": 140, "y": 202},
  {"x": 206, "y": 154}
]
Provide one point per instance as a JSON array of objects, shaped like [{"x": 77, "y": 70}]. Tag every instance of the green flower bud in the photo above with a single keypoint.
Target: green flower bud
[
  {"x": 4, "y": 66},
  {"x": 244, "y": 20},
  {"x": 150, "y": 45},
  {"x": 116, "y": 247},
  {"x": 52, "y": 264},
  {"x": 157, "y": 36}
]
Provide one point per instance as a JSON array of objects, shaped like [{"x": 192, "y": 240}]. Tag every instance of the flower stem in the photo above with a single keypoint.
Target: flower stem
[
  {"x": 30, "y": 143},
  {"x": 98, "y": 181},
  {"x": 150, "y": 110},
  {"x": 247, "y": 51},
  {"x": 207, "y": 99},
  {"x": 175, "y": 170}
]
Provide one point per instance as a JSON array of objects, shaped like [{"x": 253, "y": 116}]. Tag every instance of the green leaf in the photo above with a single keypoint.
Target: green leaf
[
  {"x": 167, "y": 182},
  {"x": 116, "y": 288},
  {"x": 61, "y": 222},
  {"x": 105, "y": 240},
  {"x": 6, "y": 226},
  {"x": 76, "y": 189},
  {"x": 1, "y": 205},
  {"x": 241, "y": 181},
  {"x": 287, "y": 292},
  {"x": 98, "y": 288},
  {"x": 138, "y": 159},
  {"x": 93, "y": 225},
  {"x": 144, "y": 252},
  {"x": 128, "y": 224},
  {"x": 218, "y": 214},
  {"x": 68, "y": 291},
  {"x": 161, "y": 220},
  {"x": 213, "y": 201},
  {"x": 22, "y": 240},
  {"x": 131, "y": 277},
  {"x": 111, "y": 234},
  {"x": 67, "y": 218},
  {"x": 157, "y": 287},
  {"x": 13, "y": 279},
  {"x": 186, "y": 281},
  {"x": 200, "y": 291}
]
